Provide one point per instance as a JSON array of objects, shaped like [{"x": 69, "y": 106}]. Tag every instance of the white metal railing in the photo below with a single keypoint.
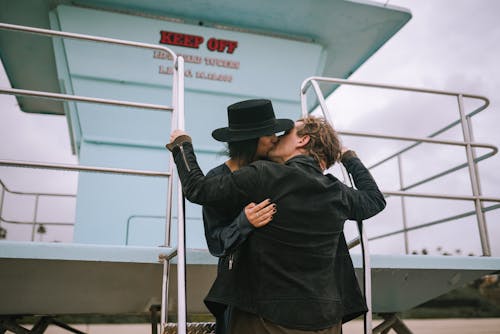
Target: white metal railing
[
  {"x": 34, "y": 221},
  {"x": 472, "y": 160},
  {"x": 468, "y": 144},
  {"x": 177, "y": 122}
]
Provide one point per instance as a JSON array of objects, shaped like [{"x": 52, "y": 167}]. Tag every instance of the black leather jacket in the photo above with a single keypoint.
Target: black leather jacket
[{"x": 296, "y": 271}]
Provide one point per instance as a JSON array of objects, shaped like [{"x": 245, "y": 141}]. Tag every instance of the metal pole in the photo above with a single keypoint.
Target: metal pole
[
  {"x": 476, "y": 168},
  {"x": 481, "y": 220},
  {"x": 164, "y": 295},
  {"x": 403, "y": 204},
  {"x": 35, "y": 217},
  {"x": 181, "y": 245},
  {"x": 322, "y": 102},
  {"x": 367, "y": 278},
  {"x": 441, "y": 196},
  {"x": 1, "y": 203},
  {"x": 66, "y": 97},
  {"x": 305, "y": 86},
  {"x": 48, "y": 32},
  {"x": 168, "y": 227},
  {"x": 168, "y": 214},
  {"x": 418, "y": 139},
  {"x": 303, "y": 103},
  {"x": 77, "y": 168}
]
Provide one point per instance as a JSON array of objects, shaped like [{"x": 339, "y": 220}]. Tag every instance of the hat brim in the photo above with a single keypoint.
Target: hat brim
[{"x": 229, "y": 135}]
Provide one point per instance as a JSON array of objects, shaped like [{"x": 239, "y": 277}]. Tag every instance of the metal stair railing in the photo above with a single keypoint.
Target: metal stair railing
[
  {"x": 472, "y": 160},
  {"x": 177, "y": 121},
  {"x": 34, "y": 222},
  {"x": 468, "y": 144}
]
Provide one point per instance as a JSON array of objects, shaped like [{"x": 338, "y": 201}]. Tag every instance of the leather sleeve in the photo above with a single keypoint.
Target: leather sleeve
[
  {"x": 224, "y": 236},
  {"x": 367, "y": 200},
  {"x": 218, "y": 190}
]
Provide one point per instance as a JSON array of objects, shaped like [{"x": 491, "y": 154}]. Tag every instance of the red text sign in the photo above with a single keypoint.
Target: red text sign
[
  {"x": 194, "y": 41},
  {"x": 174, "y": 38}
]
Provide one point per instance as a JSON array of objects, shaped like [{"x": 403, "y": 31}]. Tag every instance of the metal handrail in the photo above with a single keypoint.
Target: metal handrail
[
  {"x": 177, "y": 121},
  {"x": 436, "y": 222},
  {"x": 23, "y": 193},
  {"x": 64, "y": 167},
  {"x": 444, "y": 129},
  {"x": 467, "y": 143},
  {"x": 31, "y": 193},
  {"x": 47, "y": 32},
  {"x": 471, "y": 163},
  {"x": 136, "y": 216},
  {"x": 494, "y": 149},
  {"x": 312, "y": 81},
  {"x": 36, "y": 223},
  {"x": 79, "y": 168},
  {"x": 76, "y": 98}
]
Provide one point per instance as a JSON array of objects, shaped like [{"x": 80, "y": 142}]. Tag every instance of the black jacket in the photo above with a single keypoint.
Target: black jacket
[
  {"x": 226, "y": 229},
  {"x": 296, "y": 271}
]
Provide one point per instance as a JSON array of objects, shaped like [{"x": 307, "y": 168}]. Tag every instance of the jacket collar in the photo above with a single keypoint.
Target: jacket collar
[{"x": 304, "y": 160}]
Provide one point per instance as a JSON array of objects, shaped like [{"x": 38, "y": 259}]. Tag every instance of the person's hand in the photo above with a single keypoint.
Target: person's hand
[
  {"x": 177, "y": 137},
  {"x": 260, "y": 214},
  {"x": 176, "y": 133},
  {"x": 343, "y": 150}
]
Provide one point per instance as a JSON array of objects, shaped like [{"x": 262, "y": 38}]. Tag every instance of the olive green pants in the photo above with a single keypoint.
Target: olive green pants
[{"x": 248, "y": 323}]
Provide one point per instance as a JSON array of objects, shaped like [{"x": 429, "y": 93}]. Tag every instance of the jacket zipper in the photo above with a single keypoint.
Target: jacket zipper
[
  {"x": 184, "y": 158},
  {"x": 230, "y": 262}
]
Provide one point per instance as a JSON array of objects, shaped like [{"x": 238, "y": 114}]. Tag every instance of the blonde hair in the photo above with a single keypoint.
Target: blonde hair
[{"x": 324, "y": 144}]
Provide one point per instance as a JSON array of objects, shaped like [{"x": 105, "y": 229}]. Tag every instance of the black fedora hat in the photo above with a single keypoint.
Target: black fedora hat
[{"x": 251, "y": 119}]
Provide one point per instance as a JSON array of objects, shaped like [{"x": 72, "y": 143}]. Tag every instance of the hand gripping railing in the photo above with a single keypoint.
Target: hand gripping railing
[
  {"x": 468, "y": 143},
  {"x": 177, "y": 122}
]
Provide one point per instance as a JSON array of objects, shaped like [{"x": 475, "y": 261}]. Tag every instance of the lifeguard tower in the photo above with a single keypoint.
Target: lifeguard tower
[{"x": 124, "y": 73}]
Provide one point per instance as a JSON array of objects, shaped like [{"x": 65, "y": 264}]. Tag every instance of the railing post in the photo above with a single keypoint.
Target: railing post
[
  {"x": 35, "y": 218},
  {"x": 181, "y": 244},
  {"x": 403, "y": 205},
  {"x": 322, "y": 102},
  {"x": 303, "y": 101},
  {"x": 166, "y": 263},
  {"x": 367, "y": 278},
  {"x": 3, "y": 232},
  {"x": 481, "y": 220},
  {"x": 168, "y": 213},
  {"x": 476, "y": 169},
  {"x": 1, "y": 202}
]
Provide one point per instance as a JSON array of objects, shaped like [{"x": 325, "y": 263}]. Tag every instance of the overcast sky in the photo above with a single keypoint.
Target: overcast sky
[{"x": 447, "y": 45}]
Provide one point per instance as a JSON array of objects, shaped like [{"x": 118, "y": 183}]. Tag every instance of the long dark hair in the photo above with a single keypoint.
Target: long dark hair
[{"x": 243, "y": 151}]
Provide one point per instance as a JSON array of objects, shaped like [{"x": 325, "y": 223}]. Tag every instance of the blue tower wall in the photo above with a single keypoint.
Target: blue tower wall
[{"x": 119, "y": 209}]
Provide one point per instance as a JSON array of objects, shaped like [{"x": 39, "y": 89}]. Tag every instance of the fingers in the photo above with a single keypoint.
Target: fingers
[
  {"x": 260, "y": 214},
  {"x": 262, "y": 205},
  {"x": 176, "y": 133}
]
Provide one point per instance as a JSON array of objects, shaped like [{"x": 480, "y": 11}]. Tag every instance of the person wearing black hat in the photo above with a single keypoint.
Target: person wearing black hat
[
  {"x": 250, "y": 135},
  {"x": 295, "y": 274}
]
